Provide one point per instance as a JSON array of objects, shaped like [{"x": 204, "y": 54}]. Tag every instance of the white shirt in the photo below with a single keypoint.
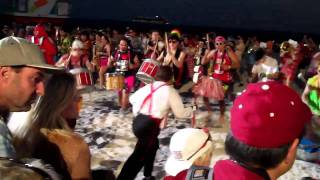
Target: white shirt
[
  {"x": 163, "y": 99},
  {"x": 268, "y": 65}
]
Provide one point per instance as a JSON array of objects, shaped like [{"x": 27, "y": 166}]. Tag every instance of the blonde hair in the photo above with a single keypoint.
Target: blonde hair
[{"x": 59, "y": 92}]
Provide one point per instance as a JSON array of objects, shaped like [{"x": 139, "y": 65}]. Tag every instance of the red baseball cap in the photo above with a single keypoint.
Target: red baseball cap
[{"x": 268, "y": 115}]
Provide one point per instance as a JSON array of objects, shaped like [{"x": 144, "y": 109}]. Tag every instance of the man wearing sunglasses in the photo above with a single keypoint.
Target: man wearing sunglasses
[
  {"x": 222, "y": 59},
  {"x": 174, "y": 57}
]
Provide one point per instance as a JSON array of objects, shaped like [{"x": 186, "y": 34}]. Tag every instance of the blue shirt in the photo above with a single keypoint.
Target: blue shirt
[{"x": 6, "y": 145}]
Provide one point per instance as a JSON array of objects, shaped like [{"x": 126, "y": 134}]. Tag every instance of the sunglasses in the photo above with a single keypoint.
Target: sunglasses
[
  {"x": 219, "y": 44},
  {"x": 172, "y": 41}
]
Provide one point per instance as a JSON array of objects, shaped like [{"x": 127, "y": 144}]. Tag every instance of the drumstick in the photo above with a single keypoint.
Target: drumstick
[
  {"x": 166, "y": 39},
  {"x": 68, "y": 61},
  {"x": 167, "y": 44},
  {"x": 208, "y": 41},
  {"x": 194, "y": 108},
  {"x": 211, "y": 62},
  {"x": 155, "y": 48}
]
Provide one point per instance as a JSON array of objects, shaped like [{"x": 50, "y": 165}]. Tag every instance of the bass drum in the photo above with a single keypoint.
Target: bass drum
[{"x": 13, "y": 169}]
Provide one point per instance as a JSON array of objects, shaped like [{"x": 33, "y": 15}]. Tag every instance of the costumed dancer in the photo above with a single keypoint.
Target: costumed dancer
[
  {"x": 156, "y": 39},
  {"x": 290, "y": 59},
  {"x": 151, "y": 52},
  {"x": 103, "y": 53},
  {"x": 310, "y": 143},
  {"x": 150, "y": 104},
  {"x": 214, "y": 86},
  {"x": 46, "y": 43},
  {"x": 75, "y": 58},
  {"x": 312, "y": 68},
  {"x": 310, "y": 95},
  {"x": 127, "y": 63},
  {"x": 174, "y": 57}
]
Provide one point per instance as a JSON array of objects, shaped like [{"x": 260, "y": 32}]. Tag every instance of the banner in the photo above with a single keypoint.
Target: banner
[{"x": 41, "y": 8}]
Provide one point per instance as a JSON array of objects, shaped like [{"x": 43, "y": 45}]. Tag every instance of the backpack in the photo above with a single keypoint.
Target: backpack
[{"x": 199, "y": 173}]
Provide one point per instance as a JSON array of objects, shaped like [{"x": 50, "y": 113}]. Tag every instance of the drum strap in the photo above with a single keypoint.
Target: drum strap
[
  {"x": 150, "y": 97},
  {"x": 213, "y": 61}
]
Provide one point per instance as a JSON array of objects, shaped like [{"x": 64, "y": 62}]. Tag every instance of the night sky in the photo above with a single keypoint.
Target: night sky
[
  {"x": 273, "y": 15},
  {"x": 294, "y": 16}
]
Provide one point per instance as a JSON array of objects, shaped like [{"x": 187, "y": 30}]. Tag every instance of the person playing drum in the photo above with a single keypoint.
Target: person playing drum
[
  {"x": 151, "y": 52},
  {"x": 156, "y": 39},
  {"x": 174, "y": 57},
  {"x": 102, "y": 53},
  {"x": 75, "y": 58},
  {"x": 127, "y": 63},
  {"x": 222, "y": 59}
]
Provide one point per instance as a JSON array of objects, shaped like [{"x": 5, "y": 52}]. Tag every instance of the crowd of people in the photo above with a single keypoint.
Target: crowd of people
[{"x": 44, "y": 70}]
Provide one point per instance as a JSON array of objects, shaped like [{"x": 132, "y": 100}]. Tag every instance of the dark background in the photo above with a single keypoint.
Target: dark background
[{"x": 263, "y": 17}]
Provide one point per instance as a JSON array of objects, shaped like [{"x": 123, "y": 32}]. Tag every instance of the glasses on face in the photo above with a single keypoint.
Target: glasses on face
[
  {"x": 219, "y": 44},
  {"x": 172, "y": 41}
]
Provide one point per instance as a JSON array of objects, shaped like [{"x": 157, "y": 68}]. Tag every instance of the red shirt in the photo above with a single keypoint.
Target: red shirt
[{"x": 219, "y": 59}]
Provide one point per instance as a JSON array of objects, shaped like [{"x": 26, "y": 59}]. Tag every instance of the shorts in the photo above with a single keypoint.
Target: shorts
[{"x": 129, "y": 83}]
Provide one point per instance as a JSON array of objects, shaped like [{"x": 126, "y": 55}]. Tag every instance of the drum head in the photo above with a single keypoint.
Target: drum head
[
  {"x": 145, "y": 78},
  {"x": 11, "y": 169},
  {"x": 152, "y": 61}
]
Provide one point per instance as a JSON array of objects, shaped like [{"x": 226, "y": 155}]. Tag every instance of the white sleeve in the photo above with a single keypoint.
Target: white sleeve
[
  {"x": 177, "y": 106},
  {"x": 135, "y": 97}
]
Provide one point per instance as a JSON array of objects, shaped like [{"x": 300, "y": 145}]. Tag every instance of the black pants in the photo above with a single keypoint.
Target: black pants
[{"x": 147, "y": 131}]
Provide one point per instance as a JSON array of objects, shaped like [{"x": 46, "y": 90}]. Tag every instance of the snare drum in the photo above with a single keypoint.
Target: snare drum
[
  {"x": 83, "y": 77},
  {"x": 114, "y": 81},
  {"x": 122, "y": 65},
  {"x": 148, "y": 70}
]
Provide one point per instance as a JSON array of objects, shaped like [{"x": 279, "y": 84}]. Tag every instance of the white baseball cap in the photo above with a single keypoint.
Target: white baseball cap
[
  {"x": 186, "y": 145},
  {"x": 77, "y": 44},
  {"x": 15, "y": 51}
]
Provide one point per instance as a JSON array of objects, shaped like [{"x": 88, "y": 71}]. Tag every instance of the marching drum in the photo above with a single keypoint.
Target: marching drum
[
  {"x": 83, "y": 77},
  {"x": 122, "y": 65},
  {"x": 114, "y": 81},
  {"x": 148, "y": 70}
]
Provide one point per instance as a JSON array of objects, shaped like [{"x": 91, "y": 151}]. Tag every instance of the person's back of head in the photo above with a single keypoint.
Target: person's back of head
[
  {"x": 189, "y": 147},
  {"x": 267, "y": 120},
  {"x": 164, "y": 73}
]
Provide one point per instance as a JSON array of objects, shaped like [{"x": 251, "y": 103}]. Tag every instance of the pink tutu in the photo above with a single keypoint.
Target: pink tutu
[
  {"x": 210, "y": 88},
  {"x": 103, "y": 61}
]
